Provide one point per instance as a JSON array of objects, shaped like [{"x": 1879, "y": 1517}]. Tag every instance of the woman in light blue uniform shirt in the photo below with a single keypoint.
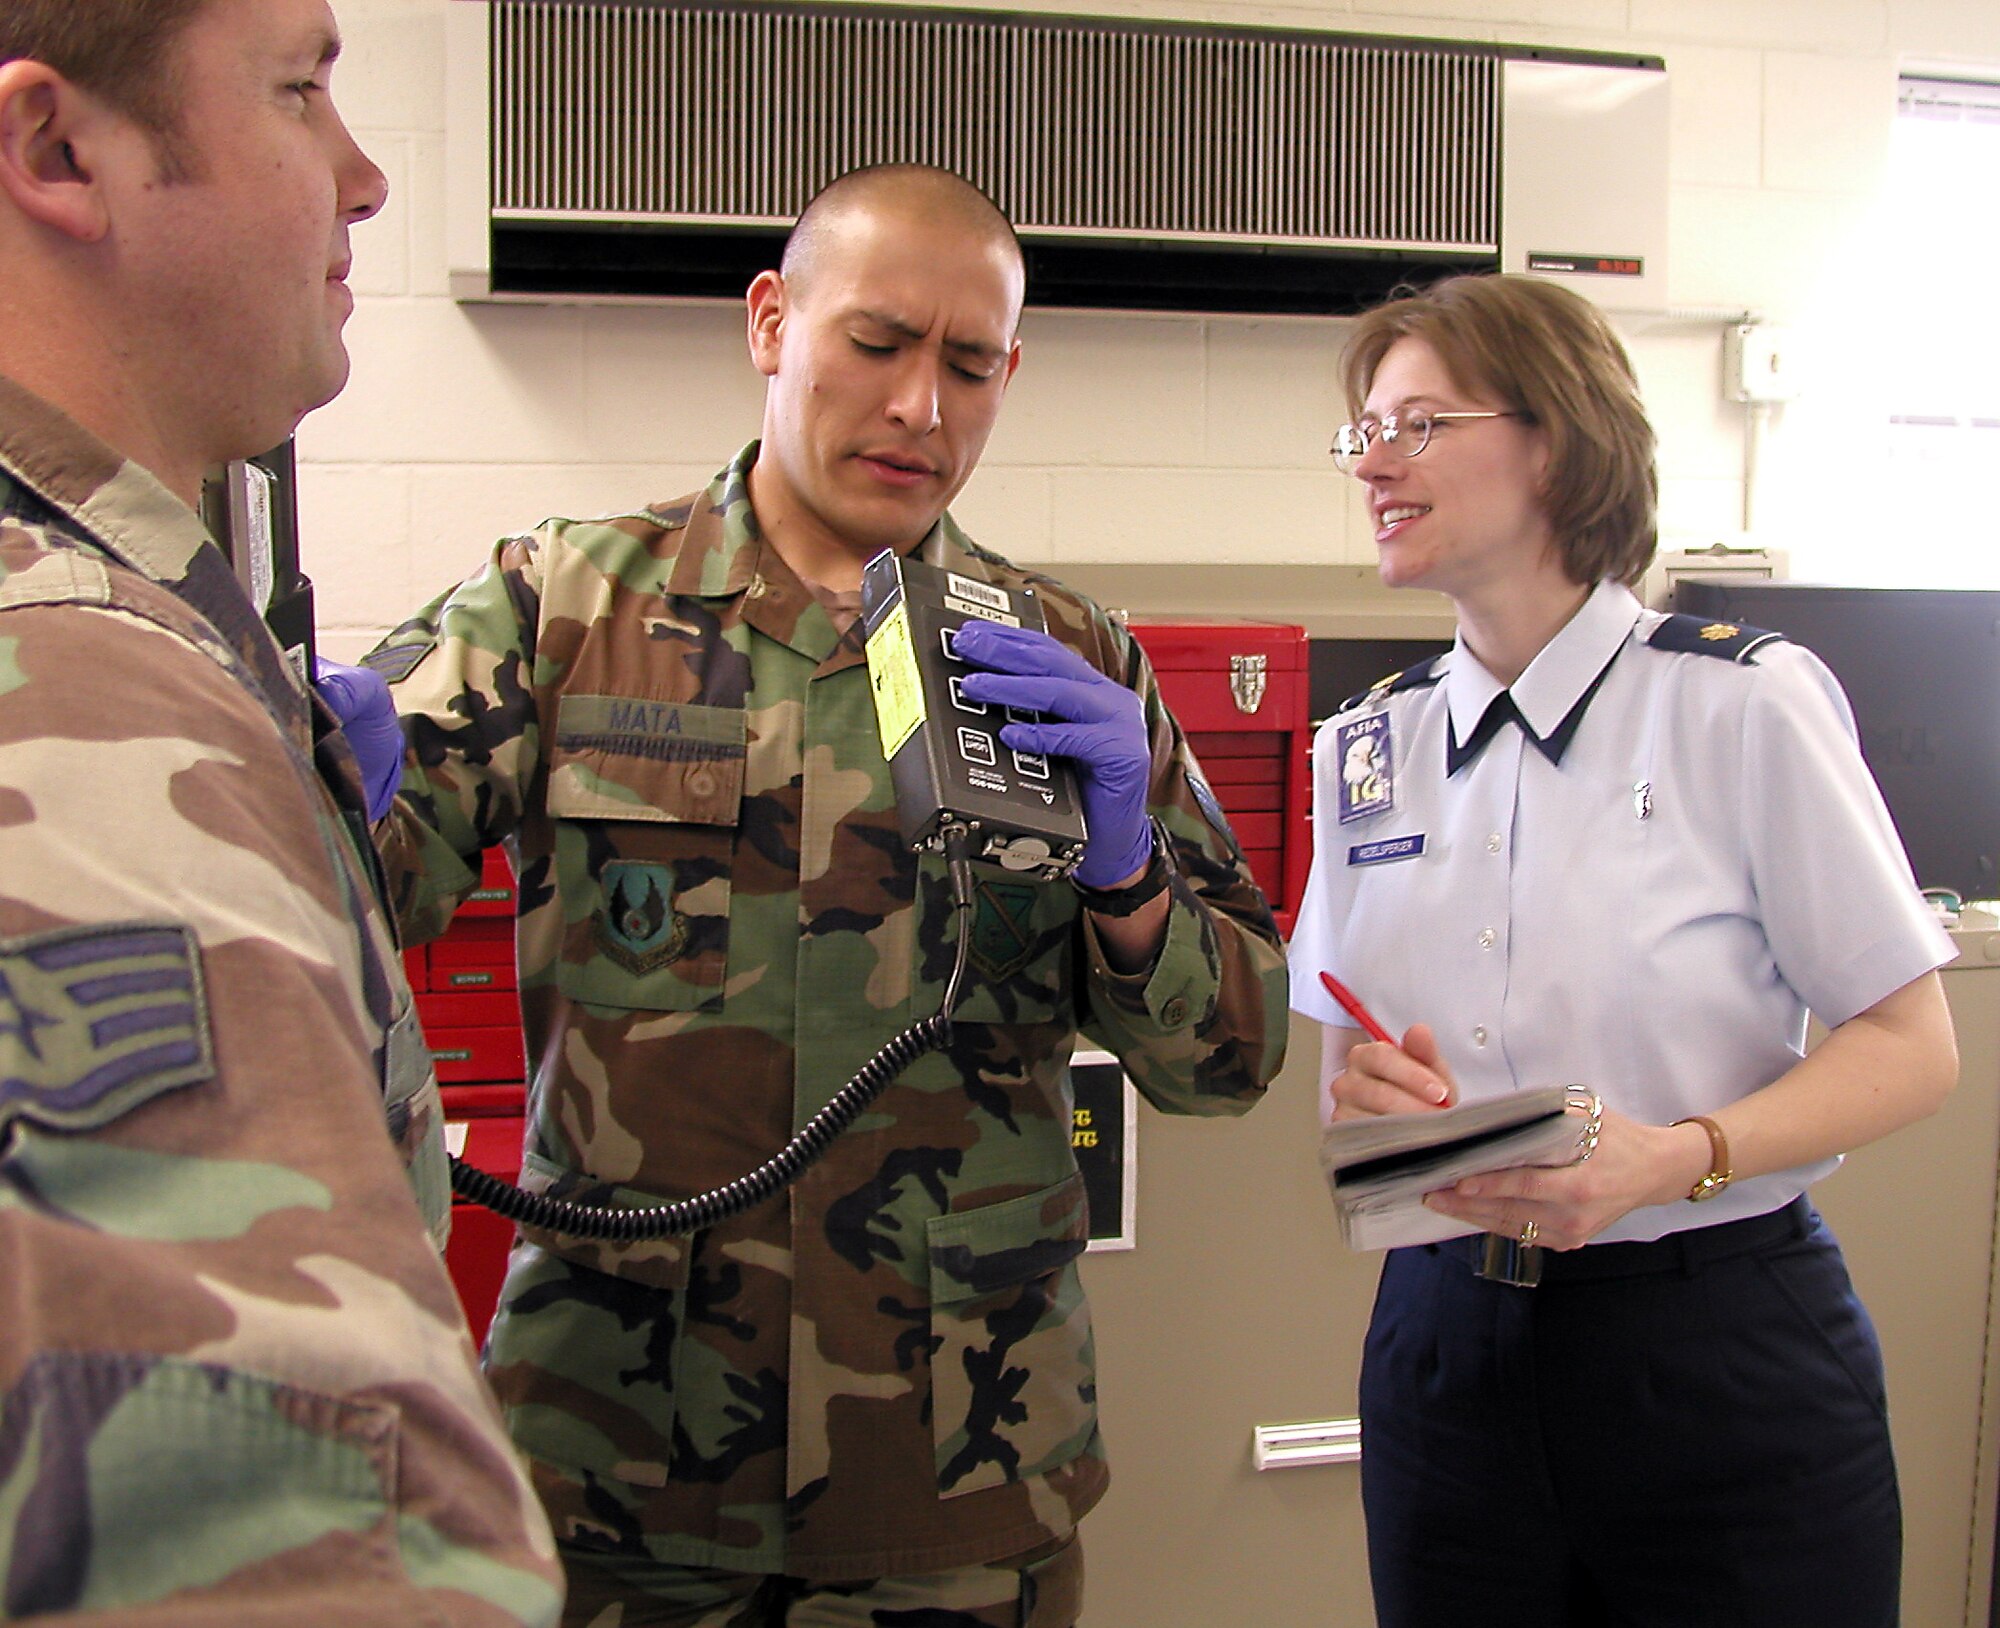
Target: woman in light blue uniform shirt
[{"x": 1596, "y": 845}]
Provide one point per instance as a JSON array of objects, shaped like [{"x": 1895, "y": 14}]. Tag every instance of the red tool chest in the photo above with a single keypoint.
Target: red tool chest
[
  {"x": 466, "y": 997},
  {"x": 476, "y": 1254},
  {"x": 1239, "y": 692}
]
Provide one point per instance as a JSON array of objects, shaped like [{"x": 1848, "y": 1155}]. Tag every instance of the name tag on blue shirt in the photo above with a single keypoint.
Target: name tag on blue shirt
[{"x": 1377, "y": 853}]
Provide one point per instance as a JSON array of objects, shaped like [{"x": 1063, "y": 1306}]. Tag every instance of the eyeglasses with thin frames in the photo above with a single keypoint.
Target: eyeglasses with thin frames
[{"x": 1408, "y": 432}]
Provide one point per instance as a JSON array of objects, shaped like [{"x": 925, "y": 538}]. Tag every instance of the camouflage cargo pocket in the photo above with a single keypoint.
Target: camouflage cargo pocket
[
  {"x": 1013, "y": 1376},
  {"x": 644, "y": 847},
  {"x": 130, "y": 1477},
  {"x": 586, "y": 1364}
]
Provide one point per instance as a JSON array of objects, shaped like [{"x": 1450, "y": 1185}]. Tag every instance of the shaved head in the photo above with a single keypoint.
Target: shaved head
[{"x": 895, "y": 192}]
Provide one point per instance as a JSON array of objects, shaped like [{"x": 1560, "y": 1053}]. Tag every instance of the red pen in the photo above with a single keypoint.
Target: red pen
[{"x": 1354, "y": 1009}]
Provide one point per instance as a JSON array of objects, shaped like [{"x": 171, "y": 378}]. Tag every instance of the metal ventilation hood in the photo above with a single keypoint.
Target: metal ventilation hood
[{"x": 628, "y": 149}]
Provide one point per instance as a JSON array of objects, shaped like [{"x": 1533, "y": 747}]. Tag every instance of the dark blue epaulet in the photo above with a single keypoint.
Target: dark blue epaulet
[
  {"x": 1697, "y": 635},
  {"x": 1417, "y": 676}
]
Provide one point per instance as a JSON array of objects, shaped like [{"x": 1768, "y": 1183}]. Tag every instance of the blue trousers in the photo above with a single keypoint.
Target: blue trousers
[{"x": 1664, "y": 1435}]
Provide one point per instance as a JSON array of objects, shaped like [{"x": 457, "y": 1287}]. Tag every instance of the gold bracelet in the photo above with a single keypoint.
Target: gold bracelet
[{"x": 1719, "y": 1172}]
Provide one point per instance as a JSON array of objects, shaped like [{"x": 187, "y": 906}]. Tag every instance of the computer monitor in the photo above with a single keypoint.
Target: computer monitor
[{"x": 1921, "y": 667}]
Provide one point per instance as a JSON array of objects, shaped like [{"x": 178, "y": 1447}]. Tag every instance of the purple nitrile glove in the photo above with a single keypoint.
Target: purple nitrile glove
[
  {"x": 1094, "y": 721},
  {"x": 360, "y": 700}
]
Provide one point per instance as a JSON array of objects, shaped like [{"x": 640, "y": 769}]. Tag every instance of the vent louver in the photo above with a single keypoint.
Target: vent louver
[
  {"x": 654, "y": 114},
  {"x": 642, "y": 148}
]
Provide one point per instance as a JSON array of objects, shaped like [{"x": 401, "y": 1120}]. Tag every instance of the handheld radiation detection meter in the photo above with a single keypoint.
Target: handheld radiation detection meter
[{"x": 950, "y": 768}]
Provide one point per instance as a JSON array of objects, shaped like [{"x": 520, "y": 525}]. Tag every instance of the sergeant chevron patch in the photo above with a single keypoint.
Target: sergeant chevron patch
[{"x": 95, "y": 1021}]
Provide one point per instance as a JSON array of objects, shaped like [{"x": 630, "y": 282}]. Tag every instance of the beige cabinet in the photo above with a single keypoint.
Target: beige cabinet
[
  {"x": 1239, "y": 1307},
  {"x": 1915, "y": 1214}
]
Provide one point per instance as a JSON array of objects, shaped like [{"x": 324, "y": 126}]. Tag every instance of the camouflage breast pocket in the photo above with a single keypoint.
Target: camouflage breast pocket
[
  {"x": 645, "y": 797},
  {"x": 1018, "y": 968},
  {"x": 1013, "y": 1374}
]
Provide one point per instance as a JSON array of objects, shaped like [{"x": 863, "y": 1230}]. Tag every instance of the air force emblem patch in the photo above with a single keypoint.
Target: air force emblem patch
[
  {"x": 96, "y": 1021},
  {"x": 639, "y": 928}
]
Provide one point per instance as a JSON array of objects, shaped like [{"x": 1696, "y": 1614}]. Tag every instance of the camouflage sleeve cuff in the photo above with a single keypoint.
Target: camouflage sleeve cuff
[
  {"x": 427, "y": 878},
  {"x": 1176, "y": 992}
]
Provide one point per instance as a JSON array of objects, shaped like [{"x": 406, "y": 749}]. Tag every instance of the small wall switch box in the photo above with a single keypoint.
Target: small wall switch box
[{"x": 1758, "y": 362}]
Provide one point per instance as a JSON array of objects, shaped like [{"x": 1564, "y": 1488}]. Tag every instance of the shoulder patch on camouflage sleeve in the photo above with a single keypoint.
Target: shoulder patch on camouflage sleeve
[
  {"x": 1697, "y": 635},
  {"x": 95, "y": 1021},
  {"x": 395, "y": 661},
  {"x": 1211, "y": 808},
  {"x": 1414, "y": 677}
]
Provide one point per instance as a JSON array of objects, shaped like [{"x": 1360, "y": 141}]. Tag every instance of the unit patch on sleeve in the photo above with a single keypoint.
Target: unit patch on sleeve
[
  {"x": 96, "y": 1021},
  {"x": 1003, "y": 931}
]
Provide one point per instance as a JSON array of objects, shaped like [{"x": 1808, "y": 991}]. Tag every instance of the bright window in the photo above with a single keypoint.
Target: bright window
[{"x": 1942, "y": 234}]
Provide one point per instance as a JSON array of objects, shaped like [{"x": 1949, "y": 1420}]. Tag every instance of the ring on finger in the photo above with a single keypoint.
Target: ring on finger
[{"x": 1528, "y": 1234}]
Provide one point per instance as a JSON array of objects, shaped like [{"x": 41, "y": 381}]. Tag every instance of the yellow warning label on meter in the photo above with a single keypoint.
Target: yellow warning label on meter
[{"x": 899, "y": 686}]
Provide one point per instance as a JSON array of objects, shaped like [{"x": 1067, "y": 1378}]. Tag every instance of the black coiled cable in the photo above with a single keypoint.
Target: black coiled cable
[
  {"x": 628, "y": 1226},
  {"x": 732, "y": 1198}
]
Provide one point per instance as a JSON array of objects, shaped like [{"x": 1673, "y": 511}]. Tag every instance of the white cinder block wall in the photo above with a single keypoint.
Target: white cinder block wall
[{"x": 1134, "y": 439}]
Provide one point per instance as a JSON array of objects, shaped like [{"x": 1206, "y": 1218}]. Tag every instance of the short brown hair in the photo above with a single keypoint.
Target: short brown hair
[
  {"x": 118, "y": 50},
  {"x": 1549, "y": 355}
]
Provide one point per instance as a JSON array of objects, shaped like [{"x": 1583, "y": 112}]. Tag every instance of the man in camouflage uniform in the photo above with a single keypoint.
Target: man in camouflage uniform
[
  {"x": 871, "y": 1401},
  {"x": 235, "y": 1386}
]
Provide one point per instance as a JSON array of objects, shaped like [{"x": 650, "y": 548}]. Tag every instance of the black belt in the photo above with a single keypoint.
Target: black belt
[{"x": 1677, "y": 1252}]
